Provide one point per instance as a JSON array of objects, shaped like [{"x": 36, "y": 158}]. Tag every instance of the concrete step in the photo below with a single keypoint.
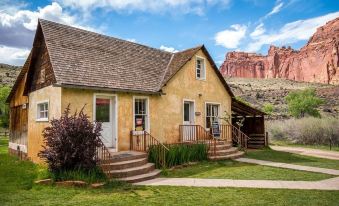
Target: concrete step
[
  {"x": 225, "y": 157},
  {"x": 143, "y": 177},
  {"x": 125, "y": 156},
  {"x": 223, "y": 146},
  {"x": 131, "y": 171},
  {"x": 124, "y": 164},
  {"x": 223, "y": 152}
]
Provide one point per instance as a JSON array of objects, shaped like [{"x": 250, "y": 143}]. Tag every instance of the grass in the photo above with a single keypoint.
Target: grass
[
  {"x": 236, "y": 170},
  {"x": 277, "y": 156},
  {"x": 290, "y": 144},
  {"x": 17, "y": 188}
]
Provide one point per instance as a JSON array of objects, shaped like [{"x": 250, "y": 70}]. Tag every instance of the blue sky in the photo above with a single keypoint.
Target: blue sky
[{"x": 173, "y": 25}]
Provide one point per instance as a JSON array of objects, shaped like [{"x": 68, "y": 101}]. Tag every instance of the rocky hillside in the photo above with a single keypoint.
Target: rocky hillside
[
  {"x": 262, "y": 91},
  {"x": 317, "y": 61},
  {"x": 8, "y": 74}
]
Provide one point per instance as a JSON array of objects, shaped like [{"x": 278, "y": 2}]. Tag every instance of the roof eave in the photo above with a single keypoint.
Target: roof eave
[{"x": 72, "y": 86}]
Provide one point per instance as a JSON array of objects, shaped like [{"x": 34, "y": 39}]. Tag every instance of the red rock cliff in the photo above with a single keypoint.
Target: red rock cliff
[{"x": 317, "y": 61}]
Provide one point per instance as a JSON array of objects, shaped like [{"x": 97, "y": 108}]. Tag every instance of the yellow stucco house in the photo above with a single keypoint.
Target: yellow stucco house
[{"x": 128, "y": 87}]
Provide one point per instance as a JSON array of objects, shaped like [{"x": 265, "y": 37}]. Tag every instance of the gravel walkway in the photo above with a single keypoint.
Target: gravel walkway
[
  {"x": 329, "y": 184},
  {"x": 308, "y": 152},
  {"x": 289, "y": 166}
]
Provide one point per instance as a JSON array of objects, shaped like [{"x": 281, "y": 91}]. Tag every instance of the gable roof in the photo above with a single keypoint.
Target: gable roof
[{"x": 86, "y": 59}]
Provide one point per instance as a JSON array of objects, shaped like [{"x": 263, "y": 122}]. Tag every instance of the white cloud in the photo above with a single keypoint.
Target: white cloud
[
  {"x": 276, "y": 9},
  {"x": 132, "y": 40},
  {"x": 168, "y": 49},
  {"x": 13, "y": 56},
  {"x": 259, "y": 30},
  {"x": 158, "y": 6},
  {"x": 17, "y": 28},
  {"x": 291, "y": 32},
  {"x": 230, "y": 38}
]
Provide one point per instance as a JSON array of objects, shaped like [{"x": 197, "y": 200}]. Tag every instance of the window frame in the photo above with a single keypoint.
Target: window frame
[
  {"x": 202, "y": 70},
  {"x": 38, "y": 111},
  {"x": 147, "y": 115},
  {"x": 211, "y": 103}
]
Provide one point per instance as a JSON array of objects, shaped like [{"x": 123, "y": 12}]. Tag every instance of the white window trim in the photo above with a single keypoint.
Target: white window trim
[
  {"x": 202, "y": 71},
  {"x": 183, "y": 105},
  {"x": 37, "y": 111},
  {"x": 219, "y": 108},
  {"x": 115, "y": 118},
  {"x": 148, "y": 125}
]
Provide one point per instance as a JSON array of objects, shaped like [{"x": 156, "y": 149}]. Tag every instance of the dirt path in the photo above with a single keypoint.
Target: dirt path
[{"x": 308, "y": 152}]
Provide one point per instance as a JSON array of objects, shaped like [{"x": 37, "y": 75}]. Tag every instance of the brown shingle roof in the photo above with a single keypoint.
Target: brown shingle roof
[{"x": 82, "y": 58}]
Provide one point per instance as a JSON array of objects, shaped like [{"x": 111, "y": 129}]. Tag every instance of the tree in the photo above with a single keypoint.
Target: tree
[
  {"x": 303, "y": 102},
  {"x": 268, "y": 108},
  {"x": 4, "y": 110},
  {"x": 70, "y": 142}
]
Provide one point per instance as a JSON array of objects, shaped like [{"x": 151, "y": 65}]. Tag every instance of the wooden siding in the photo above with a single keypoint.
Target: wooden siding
[
  {"x": 42, "y": 73},
  {"x": 18, "y": 124}
]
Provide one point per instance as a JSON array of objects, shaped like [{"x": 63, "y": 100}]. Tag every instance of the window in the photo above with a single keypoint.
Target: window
[
  {"x": 102, "y": 110},
  {"x": 212, "y": 114},
  {"x": 200, "y": 68},
  {"x": 42, "y": 111},
  {"x": 140, "y": 114}
]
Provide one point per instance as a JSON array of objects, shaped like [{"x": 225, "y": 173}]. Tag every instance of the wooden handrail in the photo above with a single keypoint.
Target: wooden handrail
[
  {"x": 142, "y": 141},
  {"x": 197, "y": 134}
]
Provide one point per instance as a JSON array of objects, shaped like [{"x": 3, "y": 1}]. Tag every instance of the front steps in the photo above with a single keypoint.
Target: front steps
[
  {"x": 129, "y": 166},
  {"x": 224, "y": 150}
]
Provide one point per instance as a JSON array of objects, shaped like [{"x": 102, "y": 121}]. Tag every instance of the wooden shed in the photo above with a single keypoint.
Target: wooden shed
[{"x": 253, "y": 123}]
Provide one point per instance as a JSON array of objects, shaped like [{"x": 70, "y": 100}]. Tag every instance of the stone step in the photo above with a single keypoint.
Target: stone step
[
  {"x": 223, "y": 146},
  {"x": 131, "y": 171},
  {"x": 218, "y": 142},
  {"x": 143, "y": 177},
  {"x": 125, "y": 156},
  {"x": 224, "y": 157},
  {"x": 223, "y": 152},
  {"x": 124, "y": 164}
]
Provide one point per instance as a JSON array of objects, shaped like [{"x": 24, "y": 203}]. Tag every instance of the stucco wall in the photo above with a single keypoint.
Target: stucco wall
[
  {"x": 35, "y": 128},
  {"x": 166, "y": 111}
]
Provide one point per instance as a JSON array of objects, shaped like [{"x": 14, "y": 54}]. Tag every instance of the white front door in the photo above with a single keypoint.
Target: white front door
[
  {"x": 189, "y": 132},
  {"x": 105, "y": 113}
]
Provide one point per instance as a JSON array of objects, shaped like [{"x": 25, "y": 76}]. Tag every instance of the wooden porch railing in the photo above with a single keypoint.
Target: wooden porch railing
[
  {"x": 197, "y": 134},
  {"x": 142, "y": 141},
  {"x": 102, "y": 155}
]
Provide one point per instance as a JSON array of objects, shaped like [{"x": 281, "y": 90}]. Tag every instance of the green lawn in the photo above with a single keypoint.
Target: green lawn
[
  {"x": 290, "y": 144},
  {"x": 237, "y": 170},
  {"x": 277, "y": 156},
  {"x": 17, "y": 188}
]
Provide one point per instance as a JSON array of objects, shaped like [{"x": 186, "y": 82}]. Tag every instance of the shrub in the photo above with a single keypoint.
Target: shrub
[
  {"x": 303, "y": 102},
  {"x": 268, "y": 108},
  {"x": 179, "y": 154},
  {"x": 4, "y": 109},
  {"x": 309, "y": 130},
  {"x": 71, "y": 142}
]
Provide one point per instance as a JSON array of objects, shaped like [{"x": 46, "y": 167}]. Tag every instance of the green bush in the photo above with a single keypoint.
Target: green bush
[
  {"x": 4, "y": 109},
  {"x": 309, "y": 130},
  {"x": 178, "y": 154},
  {"x": 303, "y": 102},
  {"x": 268, "y": 108}
]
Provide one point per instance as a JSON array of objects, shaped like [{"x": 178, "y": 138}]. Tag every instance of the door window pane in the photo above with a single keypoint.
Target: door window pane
[
  {"x": 186, "y": 112},
  {"x": 102, "y": 110}
]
